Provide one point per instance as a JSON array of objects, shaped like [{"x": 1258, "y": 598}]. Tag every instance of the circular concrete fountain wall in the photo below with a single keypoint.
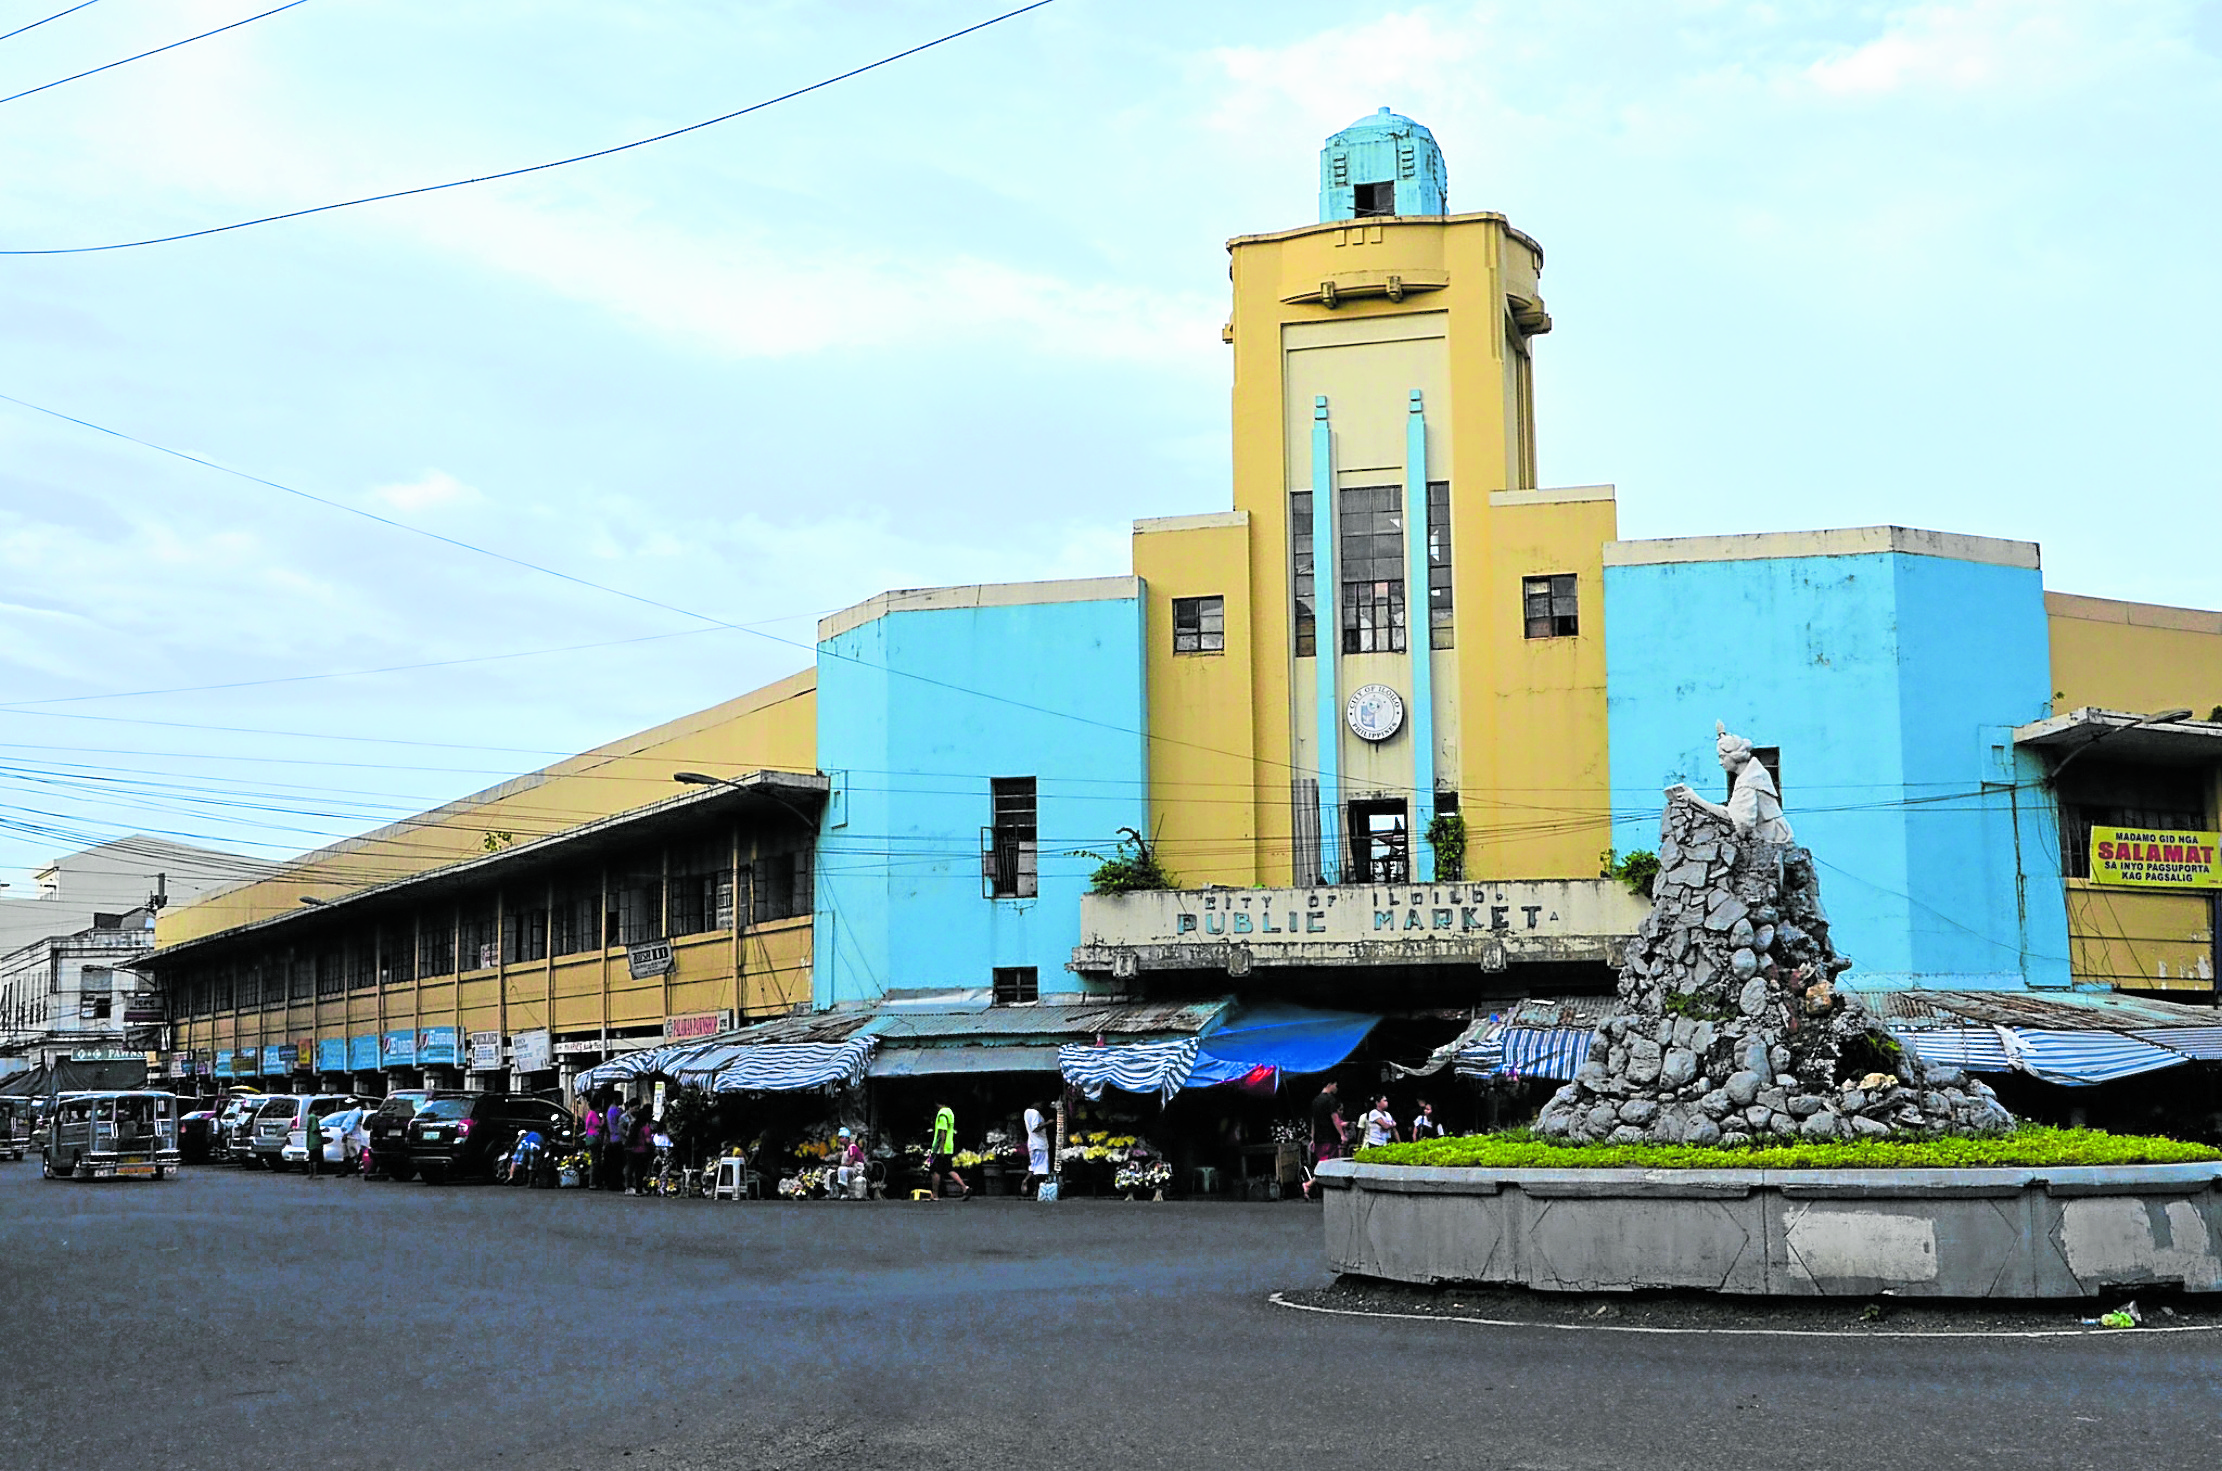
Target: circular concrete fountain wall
[{"x": 1992, "y": 1233}]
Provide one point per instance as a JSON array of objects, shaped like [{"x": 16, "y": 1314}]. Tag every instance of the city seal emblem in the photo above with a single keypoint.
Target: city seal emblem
[{"x": 1374, "y": 712}]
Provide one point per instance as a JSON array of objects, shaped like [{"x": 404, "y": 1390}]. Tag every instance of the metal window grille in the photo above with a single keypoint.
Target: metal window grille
[
  {"x": 1374, "y": 200},
  {"x": 1549, "y": 606},
  {"x": 524, "y": 934},
  {"x": 1199, "y": 625},
  {"x": 1372, "y": 533},
  {"x": 1439, "y": 586},
  {"x": 303, "y": 987},
  {"x": 1306, "y": 626},
  {"x": 1009, "y": 846},
  {"x": 1015, "y": 985},
  {"x": 436, "y": 944}
]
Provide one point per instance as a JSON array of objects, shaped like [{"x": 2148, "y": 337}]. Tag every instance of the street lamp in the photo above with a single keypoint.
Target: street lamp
[
  {"x": 701, "y": 779},
  {"x": 2161, "y": 718},
  {"x": 313, "y": 903}
]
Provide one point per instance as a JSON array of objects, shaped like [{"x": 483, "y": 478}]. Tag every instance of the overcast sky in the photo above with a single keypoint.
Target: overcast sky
[{"x": 1947, "y": 265}]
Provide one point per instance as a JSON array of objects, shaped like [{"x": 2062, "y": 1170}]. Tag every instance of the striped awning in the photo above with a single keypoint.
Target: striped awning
[
  {"x": 1137, "y": 1067},
  {"x": 623, "y": 1068},
  {"x": 783, "y": 1067},
  {"x": 1526, "y": 1052}
]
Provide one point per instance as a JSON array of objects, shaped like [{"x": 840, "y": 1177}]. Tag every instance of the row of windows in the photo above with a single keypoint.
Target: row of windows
[
  {"x": 1373, "y": 605},
  {"x": 656, "y": 894}
]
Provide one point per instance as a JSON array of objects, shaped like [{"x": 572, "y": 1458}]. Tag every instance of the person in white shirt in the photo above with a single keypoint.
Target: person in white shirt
[
  {"x": 1424, "y": 1125},
  {"x": 1037, "y": 1144},
  {"x": 1380, "y": 1125}
]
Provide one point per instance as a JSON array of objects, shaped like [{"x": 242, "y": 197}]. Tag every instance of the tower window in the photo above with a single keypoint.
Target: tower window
[
  {"x": 1438, "y": 565},
  {"x": 1549, "y": 606},
  {"x": 1375, "y": 199},
  {"x": 1373, "y": 603},
  {"x": 1199, "y": 625},
  {"x": 1017, "y": 985},
  {"x": 1306, "y": 627}
]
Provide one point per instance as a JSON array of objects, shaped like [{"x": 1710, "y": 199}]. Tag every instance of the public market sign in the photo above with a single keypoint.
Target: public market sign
[
  {"x": 2143, "y": 858},
  {"x": 651, "y": 959}
]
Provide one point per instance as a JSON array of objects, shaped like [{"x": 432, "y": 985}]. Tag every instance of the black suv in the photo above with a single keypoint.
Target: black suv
[
  {"x": 466, "y": 1136},
  {"x": 389, "y": 1129}
]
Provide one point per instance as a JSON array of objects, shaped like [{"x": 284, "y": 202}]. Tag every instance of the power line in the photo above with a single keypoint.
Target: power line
[
  {"x": 57, "y": 15},
  {"x": 242, "y": 684},
  {"x": 142, "y": 56},
  {"x": 537, "y": 167}
]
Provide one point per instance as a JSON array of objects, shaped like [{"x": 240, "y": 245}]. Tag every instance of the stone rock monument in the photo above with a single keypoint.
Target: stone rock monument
[{"x": 1732, "y": 1028}]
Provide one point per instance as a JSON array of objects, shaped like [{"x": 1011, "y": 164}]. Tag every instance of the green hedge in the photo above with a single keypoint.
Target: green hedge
[{"x": 2028, "y": 1145}]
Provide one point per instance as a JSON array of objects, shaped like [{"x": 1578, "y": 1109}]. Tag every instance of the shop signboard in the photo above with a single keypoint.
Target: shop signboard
[
  {"x": 105, "y": 1054},
  {"x": 144, "y": 1009},
  {"x": 696, "y": 1025},
  {"x": 2146, "y": 858},
  {"x": 534, "y": 1053},
  {"x": 277, "y": 1059},
  {"x": 651, "y": 959},
  {"x": 400, "y": 1050},
  {"x": 485, "y": 1052},
  {"x": 304, "y": 1054},
  {"x": 436, "y": 1047},
  {"x": 223, "y": 1063},
  {"x": 202, "y": 1067},
  {"x": 362, "y": 1053},
  {"x": 331, "y": 1054}
]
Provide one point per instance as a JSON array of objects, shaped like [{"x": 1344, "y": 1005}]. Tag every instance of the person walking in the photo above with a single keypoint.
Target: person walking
[
  {"x": 943, "y": 1150},
  {"x": 613, "y": 1144},
  {"x": 639, "y": 1148},
  {"x": 1037, "y": 1149},
  {"x": 1380, "y": 1124},
  {"x": 590, "y": 1138},
  {"x": 312, "y": 1139},
  {"x": 1327, "y": 1129}
]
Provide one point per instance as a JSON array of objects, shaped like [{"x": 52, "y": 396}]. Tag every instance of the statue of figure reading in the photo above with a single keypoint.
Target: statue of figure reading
[{"x": 1753, "y": 804}]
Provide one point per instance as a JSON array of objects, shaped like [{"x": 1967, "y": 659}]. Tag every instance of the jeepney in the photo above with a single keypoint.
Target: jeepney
[
  {"x": 18, "y": 1127},
  {"x": 98, "y": 1136}
]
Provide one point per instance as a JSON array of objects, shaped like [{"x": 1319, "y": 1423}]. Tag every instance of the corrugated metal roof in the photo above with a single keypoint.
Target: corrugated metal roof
[
  {"x": 1109, "y": 1018},
  {"x": 806, "y": 1026},
  {"x": 2060, "y": 1011},
  {"x": 1562, "y": 1011}
]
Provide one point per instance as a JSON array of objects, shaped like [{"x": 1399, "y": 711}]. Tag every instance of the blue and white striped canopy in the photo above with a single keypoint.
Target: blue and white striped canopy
[
  {"x": 742, "y": 1067},
  {"x": 1137, "y": 1067},
  {"x": 1971, "y": 1049},
  {"x": 783, "y": 1067},
  {"x": 1529, "y": 1052}
]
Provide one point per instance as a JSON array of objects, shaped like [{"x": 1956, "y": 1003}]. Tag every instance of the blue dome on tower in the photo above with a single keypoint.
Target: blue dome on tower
[{"x": 1382, "y": 165}]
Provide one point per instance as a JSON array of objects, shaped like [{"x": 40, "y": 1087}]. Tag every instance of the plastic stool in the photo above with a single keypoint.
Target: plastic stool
[
  {"x": 921, "y": 1195},
  {"x": 732, "y": 1174},
  {"x": 1206, "y": 1178}
]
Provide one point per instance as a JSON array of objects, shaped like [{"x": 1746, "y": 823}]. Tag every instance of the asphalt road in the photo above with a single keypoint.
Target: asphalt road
[{"x": 247, "y": 1321}]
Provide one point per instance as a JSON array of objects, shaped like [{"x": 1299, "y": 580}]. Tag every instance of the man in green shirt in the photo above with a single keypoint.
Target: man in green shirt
[
  {"x": 312, "y": 1139},
  {"x": 943, "y": 1149}
]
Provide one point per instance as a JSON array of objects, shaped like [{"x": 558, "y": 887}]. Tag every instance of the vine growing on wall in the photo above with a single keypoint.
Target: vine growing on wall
[{"x": 1447, "y": 836}]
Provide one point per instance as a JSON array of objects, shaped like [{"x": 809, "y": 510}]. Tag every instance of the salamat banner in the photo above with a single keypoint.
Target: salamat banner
[
  {"x": 362, "y": 1053},
  {"x": 2146, "y": 859}
]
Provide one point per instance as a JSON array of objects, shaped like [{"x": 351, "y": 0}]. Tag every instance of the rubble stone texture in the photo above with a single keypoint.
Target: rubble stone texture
[{"x": 1732, "y": 1029}]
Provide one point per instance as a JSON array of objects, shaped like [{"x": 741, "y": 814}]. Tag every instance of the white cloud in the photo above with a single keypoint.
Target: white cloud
[{"x": 433, "y": 490}]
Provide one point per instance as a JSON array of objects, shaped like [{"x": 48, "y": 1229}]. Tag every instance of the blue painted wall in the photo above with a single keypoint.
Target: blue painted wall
[
  {"x": 1888, "y": 680},
  {"x": 917, "y": 710}
]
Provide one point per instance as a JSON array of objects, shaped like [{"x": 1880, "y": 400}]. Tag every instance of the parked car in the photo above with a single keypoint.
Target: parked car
[
  {"x": 389, "y": 1130},
  {"x": 334, "y": 1129},
  {"x": 196, "y": 1136},
  {"x": 280, "y": 1118},
  {"x": 235, "y": 1127},
  {"x": 455, "y": 1138}
]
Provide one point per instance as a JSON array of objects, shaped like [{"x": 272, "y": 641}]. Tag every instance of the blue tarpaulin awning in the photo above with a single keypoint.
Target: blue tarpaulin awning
[{"x": 1284, "y": 1038}]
